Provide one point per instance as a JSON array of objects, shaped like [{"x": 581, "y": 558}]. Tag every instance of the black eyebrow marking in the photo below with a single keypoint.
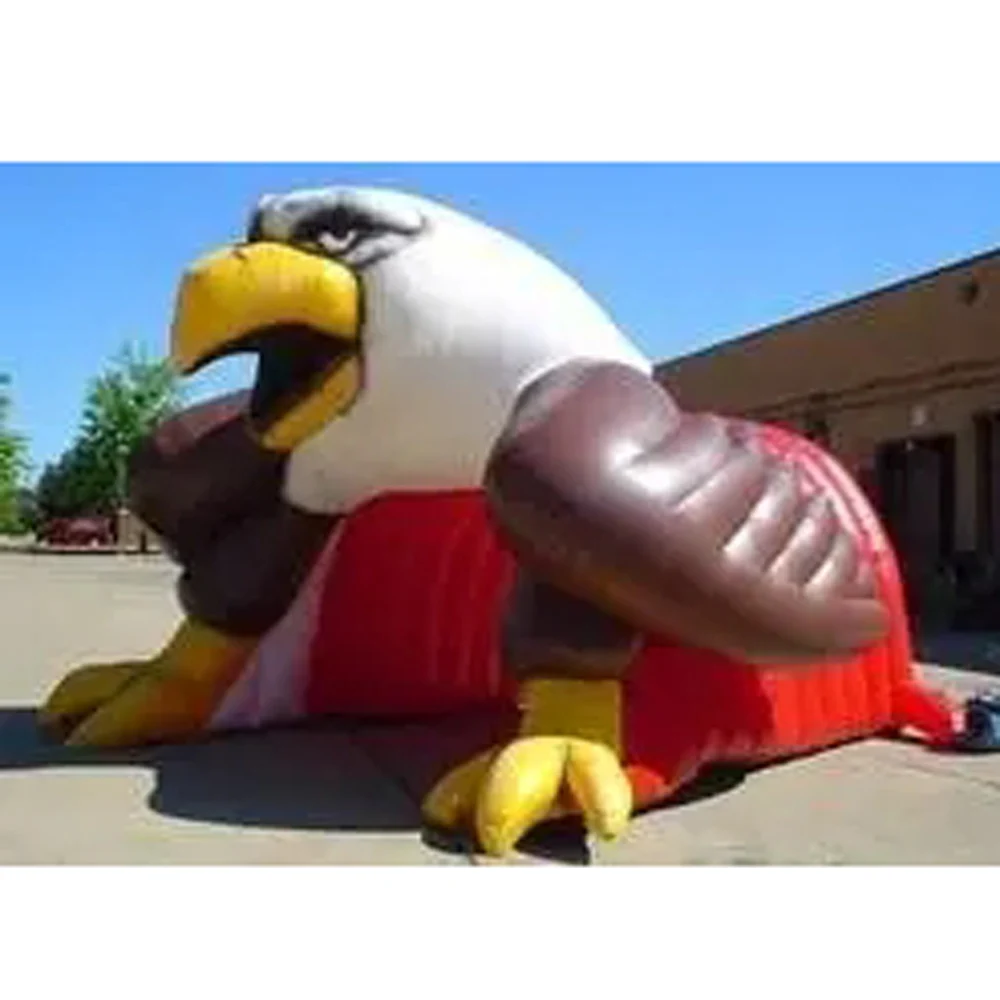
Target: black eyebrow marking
[{"x": 337, "y": 220}]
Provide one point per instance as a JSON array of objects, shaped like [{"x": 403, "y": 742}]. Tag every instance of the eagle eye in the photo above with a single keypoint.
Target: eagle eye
[
  {"x": 353, "y": 231},
  {"x": 338, "y": 225}
]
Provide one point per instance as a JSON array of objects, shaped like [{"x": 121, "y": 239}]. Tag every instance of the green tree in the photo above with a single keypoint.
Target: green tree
[
  {"x": 78, "y": 482},
  {"x": 122, "y": 405},
  {"x": 13, "y": 464}
]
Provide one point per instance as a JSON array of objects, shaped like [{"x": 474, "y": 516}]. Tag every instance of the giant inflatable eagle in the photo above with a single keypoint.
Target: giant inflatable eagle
[{"x": 406, "y": 350}]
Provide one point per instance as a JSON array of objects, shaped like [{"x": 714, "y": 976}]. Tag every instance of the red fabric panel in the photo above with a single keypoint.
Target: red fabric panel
[{"x": 409, "y": 614}]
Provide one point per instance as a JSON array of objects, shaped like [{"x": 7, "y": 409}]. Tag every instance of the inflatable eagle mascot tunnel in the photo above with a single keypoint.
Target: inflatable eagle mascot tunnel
[{"x": 456, "y": 483}]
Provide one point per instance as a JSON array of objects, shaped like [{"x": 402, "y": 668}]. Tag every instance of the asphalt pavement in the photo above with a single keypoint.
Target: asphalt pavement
[{"x": 345, "y": 793}]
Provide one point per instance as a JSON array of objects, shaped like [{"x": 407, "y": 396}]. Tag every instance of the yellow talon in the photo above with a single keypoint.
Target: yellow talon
[
  {"x": 157, "y": 707},
  {"x": 83, "y": 691},
  {"x": 570, "y": 739},
  {"x": 518, "y": 791},
  {"x": 169, "y": 697},
  {"x": 453, "y": 798},
  {"x": 601, "y": 787}
]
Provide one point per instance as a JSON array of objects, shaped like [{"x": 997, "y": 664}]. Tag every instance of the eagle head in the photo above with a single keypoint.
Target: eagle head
[{"x": 393, "y": 336}]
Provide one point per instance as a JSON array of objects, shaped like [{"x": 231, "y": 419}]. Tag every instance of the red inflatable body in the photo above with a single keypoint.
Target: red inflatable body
[{"x": 409, "y": 625}]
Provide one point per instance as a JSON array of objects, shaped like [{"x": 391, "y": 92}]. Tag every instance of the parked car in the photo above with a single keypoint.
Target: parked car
[{"x": 78, "y": 531}]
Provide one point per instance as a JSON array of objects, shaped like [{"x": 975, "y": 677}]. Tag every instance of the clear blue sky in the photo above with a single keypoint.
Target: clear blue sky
[{"x": 682, "y": 255}]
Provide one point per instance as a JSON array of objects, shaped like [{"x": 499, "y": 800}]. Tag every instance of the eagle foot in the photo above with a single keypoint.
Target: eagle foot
[
  {"x": 170, "y": 697},
  {"x": 565, "y": 761}
]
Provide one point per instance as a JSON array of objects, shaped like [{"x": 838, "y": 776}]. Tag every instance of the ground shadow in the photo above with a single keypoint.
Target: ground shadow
[
  {"x": 304, "y": 778},
  {"x": 308, "y": 777}
]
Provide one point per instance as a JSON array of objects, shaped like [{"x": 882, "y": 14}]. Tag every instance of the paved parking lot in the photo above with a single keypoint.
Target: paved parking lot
[{"x": 348, "y": 794}]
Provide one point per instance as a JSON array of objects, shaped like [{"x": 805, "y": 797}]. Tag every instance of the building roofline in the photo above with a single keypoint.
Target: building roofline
[{"x": 774, "y": 328}]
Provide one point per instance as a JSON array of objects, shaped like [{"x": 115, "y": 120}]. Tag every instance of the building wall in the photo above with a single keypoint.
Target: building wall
[
  {"x": 881, "y": 345},
  {"x": 919, "y": 359}
]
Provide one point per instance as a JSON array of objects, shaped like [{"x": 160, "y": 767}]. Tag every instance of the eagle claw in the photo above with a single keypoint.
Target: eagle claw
[
  {"x": 167, "y": 698},
  {"x": 82, "y": 692},
  {"x": 123, "y": 704},
  {"x": 507, "y": 792}
]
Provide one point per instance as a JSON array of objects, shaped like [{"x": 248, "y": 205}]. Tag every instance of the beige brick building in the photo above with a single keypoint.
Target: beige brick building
[{"x": 903, "y": 384}]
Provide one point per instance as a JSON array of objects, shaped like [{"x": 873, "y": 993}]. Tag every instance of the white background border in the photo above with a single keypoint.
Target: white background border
[{"x": 500, "y": 81}]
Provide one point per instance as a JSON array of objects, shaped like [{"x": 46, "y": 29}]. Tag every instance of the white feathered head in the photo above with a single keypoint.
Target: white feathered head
[{"x": 393, "y": 336}]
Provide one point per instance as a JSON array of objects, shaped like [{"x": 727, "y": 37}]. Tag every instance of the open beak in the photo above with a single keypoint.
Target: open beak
[{"x": 299, "y": 312}]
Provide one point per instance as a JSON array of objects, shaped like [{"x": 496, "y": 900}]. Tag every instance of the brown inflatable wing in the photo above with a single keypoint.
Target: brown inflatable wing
[
  {"x": 682, "y": 525},
  {"x": 199, "y": 469},
  {"x": 213, "y": 494}
]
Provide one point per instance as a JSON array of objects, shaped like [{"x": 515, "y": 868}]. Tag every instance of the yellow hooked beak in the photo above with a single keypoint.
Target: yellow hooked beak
[{"x": 301, "y": 313}]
